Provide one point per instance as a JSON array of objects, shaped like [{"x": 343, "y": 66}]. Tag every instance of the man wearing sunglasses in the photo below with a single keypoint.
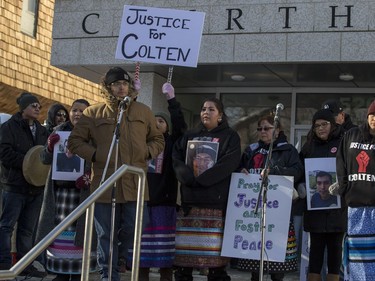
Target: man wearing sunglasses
[{"x": 21, "y": 200}]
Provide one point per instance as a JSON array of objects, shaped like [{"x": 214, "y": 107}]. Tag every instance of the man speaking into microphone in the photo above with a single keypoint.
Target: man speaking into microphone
[{"x": 139, "y": 140}]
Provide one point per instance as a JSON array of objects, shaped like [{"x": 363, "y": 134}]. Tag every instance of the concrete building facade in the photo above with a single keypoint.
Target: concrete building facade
[
  {"x": 25, "y": 53},
  {"x": 254, "y": 55}
]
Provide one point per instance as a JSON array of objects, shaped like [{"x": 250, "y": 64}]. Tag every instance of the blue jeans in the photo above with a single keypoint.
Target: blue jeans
[
  {"x": 23, "y": 209},
  {"x": 125, "y": 214}
]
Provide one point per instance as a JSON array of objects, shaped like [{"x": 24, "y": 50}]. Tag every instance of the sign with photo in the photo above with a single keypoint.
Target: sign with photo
[
  {"x": 320, "y": 174},
  {"x": 201, "y": 155},
  {"x": 243, "y": 224},
  {"x": 65, "y": 165},
  {"x": 157, "y": 35}
]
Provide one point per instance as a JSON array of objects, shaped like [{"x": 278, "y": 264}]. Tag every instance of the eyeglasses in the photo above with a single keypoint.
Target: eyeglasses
[
  {"x": 259, "y": 129},
  {"x": 36, "y": 105},
  {"x": 321, "y": 125},
  {"x": 119, "y": 83},
  {"x": 61, "y": 114}
]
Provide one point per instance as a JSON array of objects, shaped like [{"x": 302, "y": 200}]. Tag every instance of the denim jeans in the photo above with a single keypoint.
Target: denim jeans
[
  {"x": 23, "y": 209},
  {"x": 125, "y": 215}
]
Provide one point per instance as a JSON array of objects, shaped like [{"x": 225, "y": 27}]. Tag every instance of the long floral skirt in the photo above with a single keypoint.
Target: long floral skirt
[{"x": 289, "y": 265}]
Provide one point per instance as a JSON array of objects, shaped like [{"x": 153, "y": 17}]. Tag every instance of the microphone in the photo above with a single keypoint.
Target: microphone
[
  {"x": 279, "y": 107},
  {"x": 125, "y": 103}
]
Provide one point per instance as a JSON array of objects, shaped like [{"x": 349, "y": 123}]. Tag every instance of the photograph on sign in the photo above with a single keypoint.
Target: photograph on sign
[
  {"x": 320, "y": 175},
  {"x": 158, "y": 35},
  {"x": 201, "y": 155},
  {"x": 243, "y": 226},
  {"x": 65, "y": 165}
]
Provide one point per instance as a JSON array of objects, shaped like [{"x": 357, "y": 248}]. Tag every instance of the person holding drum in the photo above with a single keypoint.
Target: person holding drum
[{"x": 22, "y": 200}]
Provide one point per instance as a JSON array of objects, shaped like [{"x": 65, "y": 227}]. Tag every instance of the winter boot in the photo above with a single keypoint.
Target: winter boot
[
  {"x": 143, "y": 274},
  {"x": 218, "y": 274},
  {"x": 314, "y": 277},
  {"x": 183, "y": 274},
  {"x": 166, "y": 274},
  {"x": 332, "y": 277}
]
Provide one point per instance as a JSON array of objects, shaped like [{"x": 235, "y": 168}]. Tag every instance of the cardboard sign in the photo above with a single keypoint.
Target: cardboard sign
[
  {"x": 156, "y": 35},
  {"x": 243, "y": 227}
]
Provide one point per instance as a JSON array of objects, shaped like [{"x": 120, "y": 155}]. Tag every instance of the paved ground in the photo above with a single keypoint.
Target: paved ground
[{"x": 154, "y": 276}]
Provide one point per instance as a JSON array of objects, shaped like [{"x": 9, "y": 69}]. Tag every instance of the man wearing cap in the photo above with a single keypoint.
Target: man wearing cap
[
  {"x": 139, "y": 141},
  {"x": 355, "y": 167},
  {"x": 21, "y": 200},
  {"x": 341, "y": 117}
]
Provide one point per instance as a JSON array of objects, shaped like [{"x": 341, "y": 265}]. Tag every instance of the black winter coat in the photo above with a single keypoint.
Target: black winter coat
[
  {"x": 15, "y": 141},
  {"x": 330, "y": 220},
  {"x": 211, "y": 188},
  {"x": 163, "y": 186},
  {"x": 284, "y": 161}
]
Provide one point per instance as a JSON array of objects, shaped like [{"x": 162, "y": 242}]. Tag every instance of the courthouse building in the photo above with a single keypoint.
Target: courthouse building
[{"x": 253, "y": 55}]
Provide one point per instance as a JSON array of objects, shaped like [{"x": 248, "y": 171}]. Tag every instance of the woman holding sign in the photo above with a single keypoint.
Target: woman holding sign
[
  {"x": 326, "y": 226},
  {"x": 61, "y": 197},
  {"x": 284, "y": 161},
  {"x": 204, "y": 194}
]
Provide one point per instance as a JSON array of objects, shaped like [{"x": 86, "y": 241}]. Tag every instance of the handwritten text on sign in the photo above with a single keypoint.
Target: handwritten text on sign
[
  {"x": 158, "y": 35},
  {"x": 243, "y": 228}
]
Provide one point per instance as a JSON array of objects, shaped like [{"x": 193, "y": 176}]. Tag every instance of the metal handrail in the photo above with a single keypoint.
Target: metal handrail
[{"x": 89, "y": 206}]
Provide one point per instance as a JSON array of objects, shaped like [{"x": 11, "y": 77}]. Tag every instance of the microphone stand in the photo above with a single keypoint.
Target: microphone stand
[
  {"x": 263, "y": 196},
  {"x": 123, "y": 106}
]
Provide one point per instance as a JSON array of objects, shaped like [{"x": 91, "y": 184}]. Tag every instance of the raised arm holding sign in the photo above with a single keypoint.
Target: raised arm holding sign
[{"x": 158, "y": 35}]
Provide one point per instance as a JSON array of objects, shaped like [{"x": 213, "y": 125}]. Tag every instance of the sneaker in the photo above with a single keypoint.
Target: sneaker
[{"x": 32, "y": 271}]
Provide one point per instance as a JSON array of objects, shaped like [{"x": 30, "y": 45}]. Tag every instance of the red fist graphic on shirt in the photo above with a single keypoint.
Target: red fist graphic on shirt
[{"x": 362, "y": 160}]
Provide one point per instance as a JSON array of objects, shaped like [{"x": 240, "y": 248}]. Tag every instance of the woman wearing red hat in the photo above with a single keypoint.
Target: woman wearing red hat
[{"x": 356, "y": 178}]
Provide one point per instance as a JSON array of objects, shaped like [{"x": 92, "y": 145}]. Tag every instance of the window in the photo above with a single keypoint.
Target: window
[
  {"x": 29, "y": 17},
  {"x": 354, "y": 104}
]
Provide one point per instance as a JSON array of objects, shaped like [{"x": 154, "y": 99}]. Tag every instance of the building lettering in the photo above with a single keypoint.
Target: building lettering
[
  {"x": 347, "y": 16},
  {"x": 84, "y": 23},
  {"x": 235, "y": 19}
]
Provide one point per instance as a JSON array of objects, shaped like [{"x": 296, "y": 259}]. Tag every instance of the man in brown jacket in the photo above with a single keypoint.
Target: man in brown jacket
[{"x": 139, "y": 140}]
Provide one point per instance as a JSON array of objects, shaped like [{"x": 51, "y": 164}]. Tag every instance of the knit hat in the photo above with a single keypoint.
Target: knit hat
[
  {"x": 115, "y": 74},
  {"x": 334, "y": 106},
  {"x": 371, "y": 109},
  {"x": 25, "y": 99},
  {"x": 204, "y": 148},
  {"x": 166, "y": 118},
  {"x": 324, "y": 114}
]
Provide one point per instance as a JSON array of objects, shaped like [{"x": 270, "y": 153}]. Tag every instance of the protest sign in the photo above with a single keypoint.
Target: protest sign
[
  {"x": 243, "y": 228},
  {"x": 320, "y": 174},
  {"x": 157, "y": 35},
  {"x": 65, "y": 165}
]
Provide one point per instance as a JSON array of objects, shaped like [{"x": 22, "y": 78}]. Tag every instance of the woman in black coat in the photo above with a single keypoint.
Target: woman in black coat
[
  {"x": 284, "y": 161},
  {"x": 204, "y": 159},
  {"x": 326, "y": 226}
]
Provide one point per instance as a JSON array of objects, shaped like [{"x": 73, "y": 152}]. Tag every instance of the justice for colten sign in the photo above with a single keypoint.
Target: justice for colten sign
[{"x": 156, "y": 35}]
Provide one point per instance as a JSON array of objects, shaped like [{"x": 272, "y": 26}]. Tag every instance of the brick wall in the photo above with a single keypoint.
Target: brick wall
[{"x": 25, "y": 62}]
